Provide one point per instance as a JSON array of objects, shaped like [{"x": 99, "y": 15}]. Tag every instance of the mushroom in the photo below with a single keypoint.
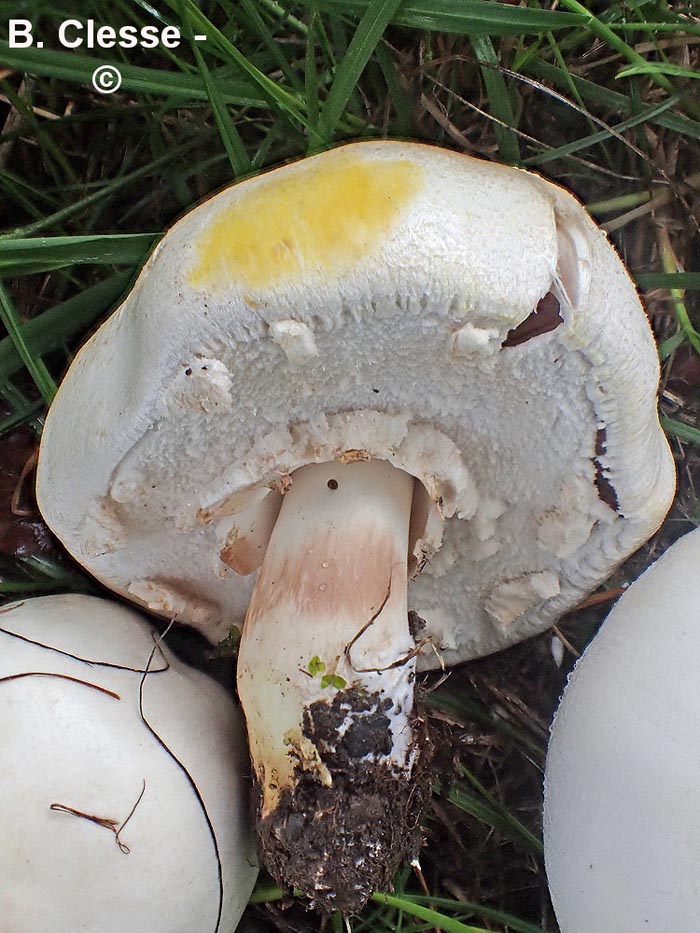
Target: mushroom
[
  {"x": 124, "y": 805},
  {"x": 621, "y": 837},
  {"x": 386, "y": 364}
]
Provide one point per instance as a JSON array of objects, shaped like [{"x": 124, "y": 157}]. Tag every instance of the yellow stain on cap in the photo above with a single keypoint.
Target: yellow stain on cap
[{"x": 319, "y": 218}]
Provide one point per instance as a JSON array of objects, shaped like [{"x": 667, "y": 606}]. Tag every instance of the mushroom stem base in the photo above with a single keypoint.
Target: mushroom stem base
[{"x": 340, "y": 843}]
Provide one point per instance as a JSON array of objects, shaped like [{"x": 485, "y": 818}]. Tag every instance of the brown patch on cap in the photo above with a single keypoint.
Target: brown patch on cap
[
  {"x": 606, "y": 490},
  {"x": 544, "y": 318}
]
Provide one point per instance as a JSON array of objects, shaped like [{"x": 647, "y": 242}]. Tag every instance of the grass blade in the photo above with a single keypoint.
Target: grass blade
[
  {"x": 681, "y": 430},
  {"x": 265, "y": 892},
  {"x": 105, "y": 192},
  {"x": 659, "y": 68},
  {"x": 256, "y": 21},
  {"x": 397, "y": 94},
  {"x": 690, "y": 280},
  {"x": 584, "y": 142},
  {"x": 612, "y": 100},
  {"x": 78, "y": 69},
  {"x": 11, "y": 587},
  {"x": 21, "y": 416},
  {"x": 51, "y": 329},
  {"x": 600, "y": 29},
  {"x": 464, "y": 708},
  {"x": 493, "y": 814},
  {"x": 233, "y": 144},
  {"x": 461, "y": 17},
  {"x": 279, "y": 98},
  {"x": 35, "y": 365},
  {"x": 313, "y": 108},
  {"x": 499, "y": 101},
  {"x": 435, "y": 919},
  {"x": 42, "y": 254},
  {"x": 369, "y": 31},
  {"x": 508, "y": 920}
]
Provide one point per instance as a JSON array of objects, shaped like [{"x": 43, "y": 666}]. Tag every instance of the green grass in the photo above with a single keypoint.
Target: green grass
[{"x": 601, "y": 98}]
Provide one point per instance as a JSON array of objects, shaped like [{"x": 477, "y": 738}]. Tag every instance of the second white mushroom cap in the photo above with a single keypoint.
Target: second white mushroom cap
[
  {"x": 124, "y": 801},
  {"x": 622, "y": 800}
]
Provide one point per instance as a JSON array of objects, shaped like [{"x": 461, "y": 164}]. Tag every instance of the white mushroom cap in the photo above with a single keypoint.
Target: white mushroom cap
[
  {"x": 76, "y": 748},
  {"x": 622, "y": 807},
  {"x": 355, "y": 305}
]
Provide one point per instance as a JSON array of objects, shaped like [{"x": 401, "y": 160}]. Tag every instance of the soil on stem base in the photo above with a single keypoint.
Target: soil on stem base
[{"x": 345, "y": 840}]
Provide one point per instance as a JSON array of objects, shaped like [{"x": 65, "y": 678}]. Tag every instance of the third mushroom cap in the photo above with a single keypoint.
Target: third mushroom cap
[{"x": 386, "y": 378}]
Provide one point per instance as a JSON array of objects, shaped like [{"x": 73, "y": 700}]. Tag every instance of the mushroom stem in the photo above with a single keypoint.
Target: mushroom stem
[{"x": 325, "y": 677}]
